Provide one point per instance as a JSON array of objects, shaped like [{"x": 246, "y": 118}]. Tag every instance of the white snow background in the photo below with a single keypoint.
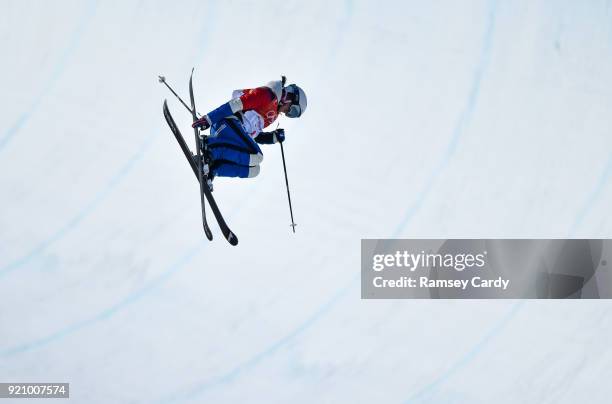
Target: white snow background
[{"x": 425, "y": 119}]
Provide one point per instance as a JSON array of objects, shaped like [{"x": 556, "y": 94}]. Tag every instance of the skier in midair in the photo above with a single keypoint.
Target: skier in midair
[{"x": 236, "y": 127}]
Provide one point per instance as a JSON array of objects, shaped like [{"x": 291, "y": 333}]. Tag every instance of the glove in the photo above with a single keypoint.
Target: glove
[
  {"x": 279, "y": 135},
  {"x": 201, "y": 123}
]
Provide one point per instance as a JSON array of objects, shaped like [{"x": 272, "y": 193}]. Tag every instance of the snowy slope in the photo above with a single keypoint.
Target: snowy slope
[{"x": 426, "y": 119}]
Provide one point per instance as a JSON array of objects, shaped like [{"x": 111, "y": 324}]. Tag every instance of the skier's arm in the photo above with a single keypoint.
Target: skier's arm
[{"x": 275, "y": 136}]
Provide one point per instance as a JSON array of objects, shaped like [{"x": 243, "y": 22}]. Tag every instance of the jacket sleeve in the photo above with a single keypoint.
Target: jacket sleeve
[
  {"x": 251, "y": 99},
  {"x": 266, "y": 138},
  {"x": 256, "y": 98},
  {"x": 224, "y": 110}
]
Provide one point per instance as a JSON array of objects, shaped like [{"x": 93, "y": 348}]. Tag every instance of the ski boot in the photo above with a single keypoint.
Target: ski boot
[
  {"x": 207, "y": 162},
  {"x": 207, "y": 171},
  {"x": 207, "y": 174}
]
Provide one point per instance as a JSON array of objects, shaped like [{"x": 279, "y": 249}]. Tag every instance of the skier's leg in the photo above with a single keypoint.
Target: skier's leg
[
  {"x": 231, "y": 131},
  {"x": 228, "y": 169},
  {"x": 240, "y": 134},
  {"x": 255, "y": 159},
  {"x": 229, "y": 143},
  {"x": 234, "y": 155}
]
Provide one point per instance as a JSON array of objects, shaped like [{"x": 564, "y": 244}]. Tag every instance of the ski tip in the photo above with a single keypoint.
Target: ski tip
[
  {"x": 161, "y": 79},
  {"x": 233, "y": 240},
  {"x": 208, "y": 233}
]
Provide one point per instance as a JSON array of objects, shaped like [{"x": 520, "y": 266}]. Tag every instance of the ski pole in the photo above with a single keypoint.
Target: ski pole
[
  {"x": 162, "y": 79},
  {"x": 287, "y": 182}
]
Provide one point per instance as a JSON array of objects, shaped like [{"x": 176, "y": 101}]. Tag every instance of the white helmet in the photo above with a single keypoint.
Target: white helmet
[{"x": 297, "y": 97}]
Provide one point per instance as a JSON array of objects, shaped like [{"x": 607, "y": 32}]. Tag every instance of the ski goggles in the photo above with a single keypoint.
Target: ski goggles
[{"x": 294, "y": 110}]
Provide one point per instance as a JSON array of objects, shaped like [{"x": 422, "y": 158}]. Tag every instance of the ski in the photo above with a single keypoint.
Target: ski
[
  {"x": 199, "y": 160},
  {"x": 227, "y": 233},
  {"x": 180, "y": 140}
]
